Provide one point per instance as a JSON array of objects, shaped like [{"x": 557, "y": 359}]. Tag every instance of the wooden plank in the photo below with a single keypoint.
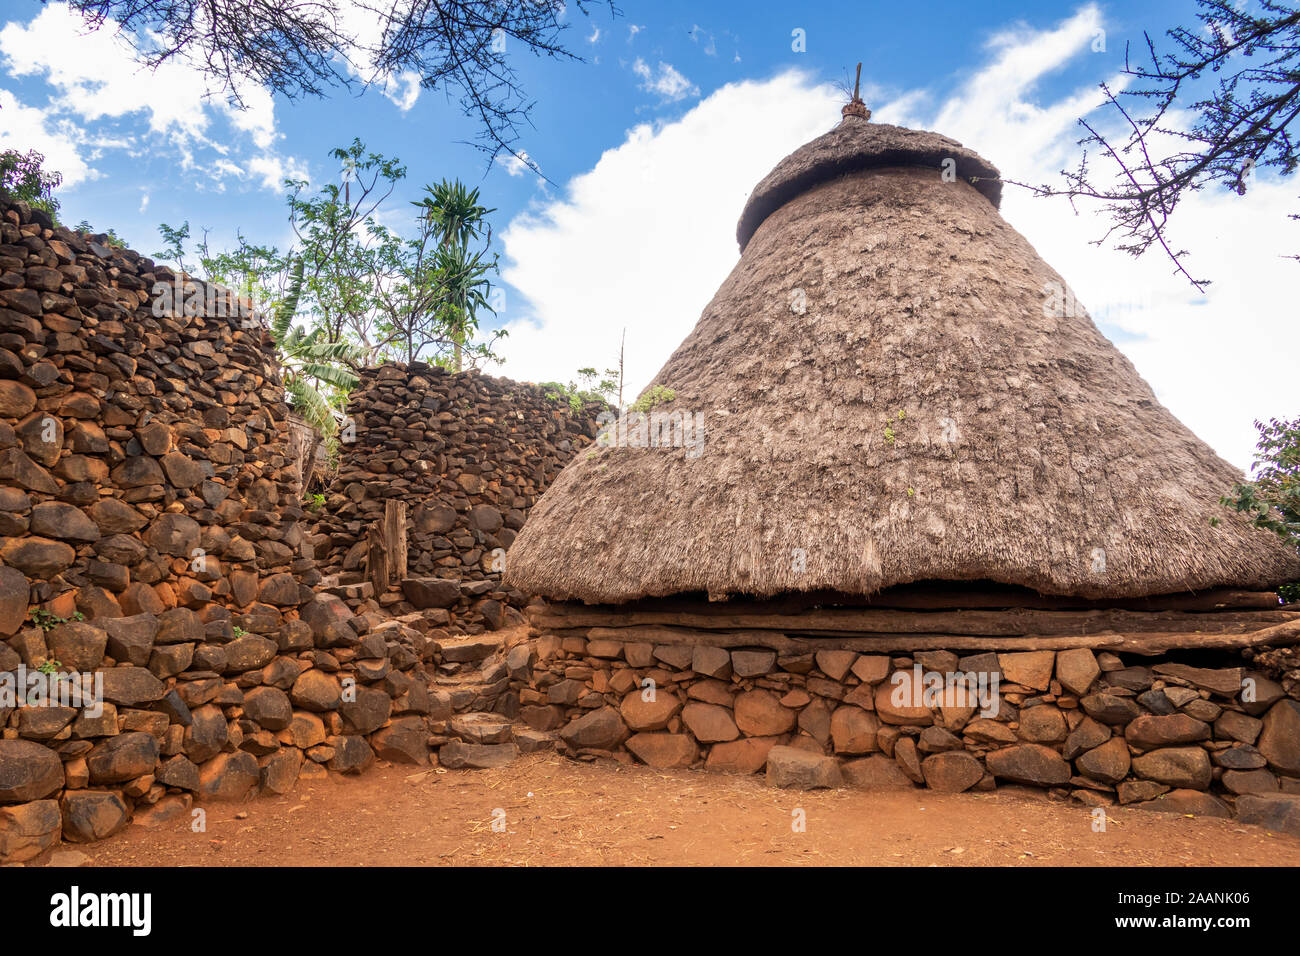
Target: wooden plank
[
  {"x": 378, "y": 565},
  {"x": 395, "y": 536},
  {"x": 386, "y": 547},
  {"x": 789, "y": 644},
  {"x": 861, "y": 621}
]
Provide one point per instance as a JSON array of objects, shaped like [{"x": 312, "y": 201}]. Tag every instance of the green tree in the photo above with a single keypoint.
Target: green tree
[
  {"x": 1272, "y": 497},
  {"x": 339, "y": 243},
  {"x": 435, "y": 284},
  {"x": 589, "y": 388},
  {"x": 23, "y": 176}
]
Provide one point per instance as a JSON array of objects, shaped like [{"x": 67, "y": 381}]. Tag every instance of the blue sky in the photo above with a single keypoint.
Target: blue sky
[
  {"x": 581, "y": 109},
  {"x": 651, "y": 146}
]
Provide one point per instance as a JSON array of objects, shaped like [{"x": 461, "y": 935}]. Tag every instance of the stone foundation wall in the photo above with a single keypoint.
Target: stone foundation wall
[
  {"x": 151, "y": 561},
  {"x": 469, "y": 454},
  {"x": 1161, "y": 733}
]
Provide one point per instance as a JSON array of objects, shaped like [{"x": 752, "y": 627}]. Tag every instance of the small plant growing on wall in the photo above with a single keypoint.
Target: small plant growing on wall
[
  {"x": 48, "y": 620},
  {"x": 588, "y": 389},
  {"x": 655, "y": 396}
]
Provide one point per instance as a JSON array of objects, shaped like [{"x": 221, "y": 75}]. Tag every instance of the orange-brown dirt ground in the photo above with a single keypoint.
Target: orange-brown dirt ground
[{"x": 558, "y": 811}]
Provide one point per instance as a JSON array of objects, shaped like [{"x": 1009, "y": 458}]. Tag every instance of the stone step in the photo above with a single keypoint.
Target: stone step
[
  {"x": 467, "y": 696},
  {"x": 488, "y": 740},
  {"x": 478, "y": 727},
  {"x": 481, "y": 727},
  {"x": 457, "y": 650}
]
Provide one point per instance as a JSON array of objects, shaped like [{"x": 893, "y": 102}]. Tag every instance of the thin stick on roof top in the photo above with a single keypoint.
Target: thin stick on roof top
[{"x": 855, "y": 106}]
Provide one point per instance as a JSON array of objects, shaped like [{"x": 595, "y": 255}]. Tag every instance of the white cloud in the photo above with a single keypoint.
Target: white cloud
[
  {"x": 697, "y": 33},
  {"x": 645, "y": 237},
  {"x": 144, "y": 200},
  {"x": 595, "y": 34},
  {"x": 664, "y": 81},
  {"x": 632, "y": 31},
  {"x": 515, "y": 165},
  {"x": 24, "y": 127},
  {"x": 96, "y": 81},
  {"x": 273, "y": 170}
]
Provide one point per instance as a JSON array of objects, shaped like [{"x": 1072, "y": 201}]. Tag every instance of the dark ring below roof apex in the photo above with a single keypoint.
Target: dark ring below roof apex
[{"x": 857, "y": 144}]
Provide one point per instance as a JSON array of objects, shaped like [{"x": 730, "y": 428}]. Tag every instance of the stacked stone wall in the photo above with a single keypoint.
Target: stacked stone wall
[
  {"x": 469, "y": 454},
  {"x": 1175, "y": 732},
  {"x": 160, "y": 639}
]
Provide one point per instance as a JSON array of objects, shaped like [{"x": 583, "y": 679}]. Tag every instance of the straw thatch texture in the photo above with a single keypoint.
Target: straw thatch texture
[
  {"x": 923, "y": 417},
  {"x": 852, "y": 146}
]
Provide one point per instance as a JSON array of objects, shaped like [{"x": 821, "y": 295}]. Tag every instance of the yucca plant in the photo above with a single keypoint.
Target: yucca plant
[{"x": 455, "y": 216}]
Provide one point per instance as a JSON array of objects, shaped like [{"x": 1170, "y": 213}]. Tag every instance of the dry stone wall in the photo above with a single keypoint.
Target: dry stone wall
[
  {"x": 160, "y": 639},
  {"x": 1162, "y": 733},
  {"x": 469, "y": 454}
]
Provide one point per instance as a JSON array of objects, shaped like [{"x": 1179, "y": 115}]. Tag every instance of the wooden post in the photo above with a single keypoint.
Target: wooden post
[
  {"x": 377, "y": 566},
  {"x": 386, "y": 548},
  {"x": 395, "y": 535}
]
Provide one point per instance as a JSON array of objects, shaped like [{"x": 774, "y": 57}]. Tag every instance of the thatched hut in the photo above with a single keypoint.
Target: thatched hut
[
  {"x": 895, "y": 388},
  {"x": 891, "y": 432}
]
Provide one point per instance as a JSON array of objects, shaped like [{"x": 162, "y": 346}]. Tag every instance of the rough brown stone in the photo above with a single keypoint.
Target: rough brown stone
[
  {"x": 1278, "y": 812},
  {"x": 90, "y": 815},
  {"x": 669, "y": 751},
  {"x": 1179, "y": 767},
  {"x": 28, "y": 830},
  {"x": 1185, "y": 802},
  {"x": 908, "y": 710},
  {"x": 876, "y": 772},
  {"x": 951, "y": 772},
  {"x": 792, "y": 768},
  {"x": 746, "y": 755},
  {"x": 457, "y": 755},
  {"x": 28, "y": 771},
  {"x": 1031, "y": 764},
  {"x": 1279, "y": 740},
  {"x": 122, "y": 758},
  {"x": 1108, "y": 762},
  {"x": 130, "y": 686},
  {"x": 1076, "y": 669},
  {"x": 229, "y": 776},
  {"x": 1151, "y": 731},
  {"x": 405, "y": 740},
  {"x": 758, "y": 713},
  {"x": 853, "y": 730},
  {"x": 601, "y": 729},
  {"x": 1028, "y": 668},
  {"x": 709, "y": 723},
  {"x": 1043, "y": 724},
  {"x": 640, "y": 714}
]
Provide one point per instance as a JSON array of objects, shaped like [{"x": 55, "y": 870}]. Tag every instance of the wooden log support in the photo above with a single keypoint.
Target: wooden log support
[
  {"x": 866, "y": 621},
  {"x": 386, "y": 547},
  {"x": 1149, "y": 645}
]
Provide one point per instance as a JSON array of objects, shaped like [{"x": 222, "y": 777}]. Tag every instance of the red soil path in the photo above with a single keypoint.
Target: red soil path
[{"x": 561, "y": 812}]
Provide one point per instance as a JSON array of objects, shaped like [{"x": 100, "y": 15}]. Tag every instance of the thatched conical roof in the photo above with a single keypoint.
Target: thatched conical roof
[{"x": 894, "y": 387}]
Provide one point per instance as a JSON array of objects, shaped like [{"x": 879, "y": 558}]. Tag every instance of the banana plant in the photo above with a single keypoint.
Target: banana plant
[{"x": 311, "y": 363}]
